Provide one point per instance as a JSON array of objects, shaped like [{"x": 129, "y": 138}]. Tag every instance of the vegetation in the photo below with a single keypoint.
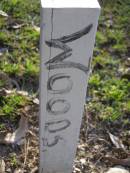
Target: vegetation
[
  {"x": 108, "y": 95},
  {"x": 109, "y": 88}
]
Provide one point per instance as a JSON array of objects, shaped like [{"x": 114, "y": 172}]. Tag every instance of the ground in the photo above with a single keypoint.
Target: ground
[{"x": 105, "y": 132}]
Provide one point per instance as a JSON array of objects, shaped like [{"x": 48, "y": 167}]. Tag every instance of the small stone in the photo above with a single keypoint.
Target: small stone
[
  {"x": 36, "y": 101},
  {"x": 8, "y": 170},
  {"x": 117, "y": 169},
  {"x": 19, "y": 171},
  {"x": 97, "y": 147},
  {"x": 36, "y": 28},
  {"x": 83, "y": 161}
]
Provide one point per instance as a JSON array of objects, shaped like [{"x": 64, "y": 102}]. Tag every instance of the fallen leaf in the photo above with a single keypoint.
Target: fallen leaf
[
  {"x": 17, "y": 136},
  {"x": 23, "y": 93},
  {"x": 9, "y": 91},
  {"x": 17, "y": 26},
  {"x": 116, "y": 141},
  {"x": 77, "y": 170},
  {"x": 2, "y": 13},
  {"x": 36, "y": 28}
]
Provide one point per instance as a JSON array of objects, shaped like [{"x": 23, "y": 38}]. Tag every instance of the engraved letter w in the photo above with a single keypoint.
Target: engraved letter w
[{"x": 57, "y": 61}]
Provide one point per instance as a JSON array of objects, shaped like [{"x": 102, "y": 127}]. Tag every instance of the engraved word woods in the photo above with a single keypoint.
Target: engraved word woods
[{"x": 57, "y": 106}]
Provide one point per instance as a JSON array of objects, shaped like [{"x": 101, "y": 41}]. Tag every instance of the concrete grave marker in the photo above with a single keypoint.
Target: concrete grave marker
[{"x": 68, "y": 29}]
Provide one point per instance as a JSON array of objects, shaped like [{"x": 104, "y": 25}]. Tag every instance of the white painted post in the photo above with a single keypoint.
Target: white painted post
[{"x": 68, "y": 29}]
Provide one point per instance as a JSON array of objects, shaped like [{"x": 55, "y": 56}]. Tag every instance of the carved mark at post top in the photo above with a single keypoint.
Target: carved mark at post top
[
  {"x": 56, "y": 77},
  {"x": 53, "y": 101},
  {"x": 64, "y": 124},
  {"x": 57, "y": 61},
  {"x": 76, "y": 35}
]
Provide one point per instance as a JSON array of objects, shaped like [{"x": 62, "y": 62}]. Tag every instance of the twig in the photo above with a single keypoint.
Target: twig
[{"x": 26, "y": 152}]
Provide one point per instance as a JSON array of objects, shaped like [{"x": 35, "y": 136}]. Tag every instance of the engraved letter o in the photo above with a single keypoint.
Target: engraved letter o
[
  {"x": 56, "y": 77},
  {"x": 53, "y": 101}
]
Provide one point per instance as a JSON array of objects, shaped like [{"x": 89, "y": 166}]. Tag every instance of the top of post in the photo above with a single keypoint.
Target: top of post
[{"x": 70, "y": 4}]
